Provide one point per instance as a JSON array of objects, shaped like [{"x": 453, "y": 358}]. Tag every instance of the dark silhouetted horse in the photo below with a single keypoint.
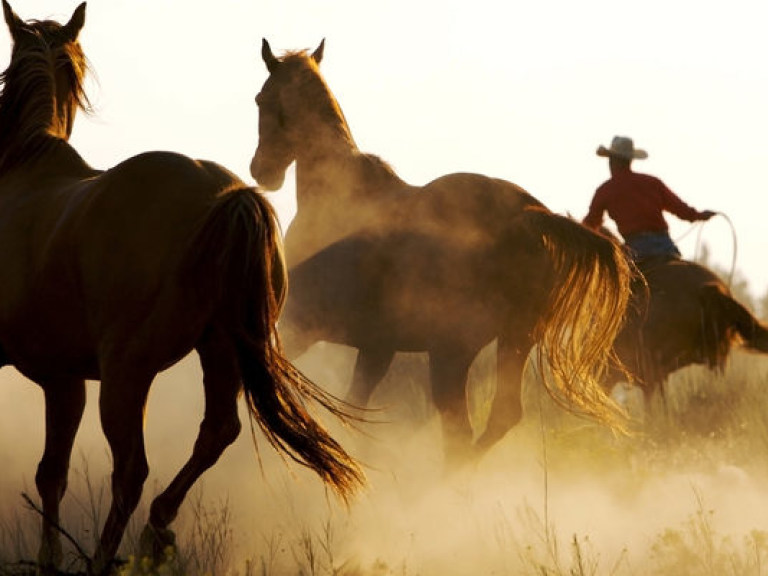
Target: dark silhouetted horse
[
  {"x": 685, "y": 316},
  {"x": 445, "y": 268},
  {"x": 117, "y": 275}
]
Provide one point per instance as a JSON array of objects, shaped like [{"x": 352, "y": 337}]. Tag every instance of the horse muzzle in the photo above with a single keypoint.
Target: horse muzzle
[{"x": 268, "y": 175}]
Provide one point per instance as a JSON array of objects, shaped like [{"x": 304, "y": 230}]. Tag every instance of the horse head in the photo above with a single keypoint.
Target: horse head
[
  {"x": 294, "y": 102},
  {"x": 55, "y": 34},
  {"x": 43, "y": 84}
]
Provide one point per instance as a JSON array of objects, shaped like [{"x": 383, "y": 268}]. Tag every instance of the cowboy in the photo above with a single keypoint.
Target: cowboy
[{"x": 636, "y": 203}]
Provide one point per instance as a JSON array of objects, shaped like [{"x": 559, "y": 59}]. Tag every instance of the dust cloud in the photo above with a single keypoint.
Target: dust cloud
[{"x": 558, "y": 493}]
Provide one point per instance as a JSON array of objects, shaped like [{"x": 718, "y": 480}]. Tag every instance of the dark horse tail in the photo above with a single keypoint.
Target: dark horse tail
[
  {"x": 724, "y": 321},
  {"x": 239, "y": 249},
  {"x": 588, "y": 296}
]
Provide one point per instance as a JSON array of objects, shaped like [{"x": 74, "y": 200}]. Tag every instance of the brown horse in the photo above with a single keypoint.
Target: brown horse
[
  {"x": 685, "y": 316},
  {"x": 117, "y": 275},
  {"x": 384, "y": 266}
]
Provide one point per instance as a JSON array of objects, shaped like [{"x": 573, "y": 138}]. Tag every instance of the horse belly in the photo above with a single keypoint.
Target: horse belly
[
  {"x": 47, "y": 342},
  {"x": 408, "y": 320},
  {"x": 434, "y": 322}
]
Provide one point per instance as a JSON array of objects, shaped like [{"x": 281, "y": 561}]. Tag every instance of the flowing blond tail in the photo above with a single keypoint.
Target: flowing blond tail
[
  {"x": 587, "y": 303},
  {"x": 240, "y": 249}
]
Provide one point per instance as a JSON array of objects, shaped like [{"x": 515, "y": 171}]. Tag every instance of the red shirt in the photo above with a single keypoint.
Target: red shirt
[{"x": 636, "y": 202}]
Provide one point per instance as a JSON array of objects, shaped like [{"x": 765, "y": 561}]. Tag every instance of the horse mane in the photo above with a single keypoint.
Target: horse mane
[
  {"x": 301, "y": 65},
  {"x": 378, "y": 171},
  {"x": 28, "y": 96}
]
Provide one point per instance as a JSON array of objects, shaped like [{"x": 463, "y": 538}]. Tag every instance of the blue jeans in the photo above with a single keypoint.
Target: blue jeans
[{"x": 652, "y": 244}]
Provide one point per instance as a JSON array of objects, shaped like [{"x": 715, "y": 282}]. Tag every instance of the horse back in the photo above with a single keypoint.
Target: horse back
[
  {"x": 110, "y": 247},
  {"x": 460, "y": 204},
  {"x": 666, "y": 273},
  {"x": 464, "y": 198}
]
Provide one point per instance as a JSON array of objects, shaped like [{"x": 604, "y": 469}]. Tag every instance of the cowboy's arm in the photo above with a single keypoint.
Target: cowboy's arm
[
  {"x": 594, "y": 218},
  {"x": 675, "y": 205}
]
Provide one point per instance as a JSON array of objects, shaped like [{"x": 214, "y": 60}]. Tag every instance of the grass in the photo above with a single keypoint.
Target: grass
[
  {"x": 670, "y": 495},
  {"x": 698, "y": 549}
]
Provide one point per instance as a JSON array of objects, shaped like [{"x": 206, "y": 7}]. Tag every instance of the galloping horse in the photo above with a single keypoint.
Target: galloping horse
[
  {"x": 384, "y": 266},
  {"x": 116, "y": 275},
  {"x": 686, "y": 316}
]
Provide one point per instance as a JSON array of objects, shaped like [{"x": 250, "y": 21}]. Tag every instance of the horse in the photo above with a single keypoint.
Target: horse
[
  {"x": 682, "y": 314},
  {"x": 384, "y": 266},
  {"x": 116, "y": 275}
]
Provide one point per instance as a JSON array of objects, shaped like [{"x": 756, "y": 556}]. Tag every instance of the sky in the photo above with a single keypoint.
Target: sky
[{"x": 524, "y": 91}]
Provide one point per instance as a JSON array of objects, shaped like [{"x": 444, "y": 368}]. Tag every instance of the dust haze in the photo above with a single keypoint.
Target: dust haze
[{"x": 556, "y": 493}]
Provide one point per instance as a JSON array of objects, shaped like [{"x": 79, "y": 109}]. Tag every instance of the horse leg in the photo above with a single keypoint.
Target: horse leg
[
  {"x": 654, "y": 394},
  {"x": 370, "y": 367},
  {"x": 507, "y": 408},
  {"x": 64, "y": 405},
  {"x": 122, "y": 400},
  {"x": 448, "y": 371},
  {"x": 219, "y": 428},
  {"x": 654, "y": 372},
  {"x": 293, "y": 340}
]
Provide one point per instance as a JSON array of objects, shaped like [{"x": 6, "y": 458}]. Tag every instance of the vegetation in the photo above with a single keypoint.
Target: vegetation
[{"x": 679, "y": 497}]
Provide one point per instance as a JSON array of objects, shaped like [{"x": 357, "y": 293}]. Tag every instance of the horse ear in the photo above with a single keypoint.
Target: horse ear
[
  {"x": 267, "y": 56},
  {"x": 76, "y": 23},
  {"x": 317, "y": 55},
  {"x": 11, "y": 19}
]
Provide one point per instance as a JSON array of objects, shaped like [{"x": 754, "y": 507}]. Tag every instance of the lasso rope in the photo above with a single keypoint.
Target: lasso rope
[{"x": 699, "y": 227}]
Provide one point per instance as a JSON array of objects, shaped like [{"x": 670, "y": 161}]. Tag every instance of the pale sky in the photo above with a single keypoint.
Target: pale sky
[{"x": 524, "y": 91}]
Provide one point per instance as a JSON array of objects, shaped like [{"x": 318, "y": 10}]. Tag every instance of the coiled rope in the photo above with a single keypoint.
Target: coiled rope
[{"x": 699, "y": 227}]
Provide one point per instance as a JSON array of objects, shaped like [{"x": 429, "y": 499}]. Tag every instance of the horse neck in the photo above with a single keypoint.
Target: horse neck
[
  {"x": 339, "y": 193},
  {"x": 325, "y": 168},
  {"x": 37, "y": 110},
  {"x": 60, "y": 163},
  {"x": 338, "y": 174},
  {"x": 63, "y": 160}
]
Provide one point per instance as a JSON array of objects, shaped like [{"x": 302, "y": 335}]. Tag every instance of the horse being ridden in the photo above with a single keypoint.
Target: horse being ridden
[
  {"x": 681, "y": 312},
  {"x": 384, "y": 266},
  {"x": 117, "y": 275}
]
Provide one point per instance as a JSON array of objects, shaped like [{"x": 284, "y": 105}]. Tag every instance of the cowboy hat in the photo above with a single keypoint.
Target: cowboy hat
[{"x": 622, "y": 147}]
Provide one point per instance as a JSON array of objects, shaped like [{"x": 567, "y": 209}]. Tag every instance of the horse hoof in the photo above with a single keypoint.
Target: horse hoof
[{"x": 157, "y": 544}]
